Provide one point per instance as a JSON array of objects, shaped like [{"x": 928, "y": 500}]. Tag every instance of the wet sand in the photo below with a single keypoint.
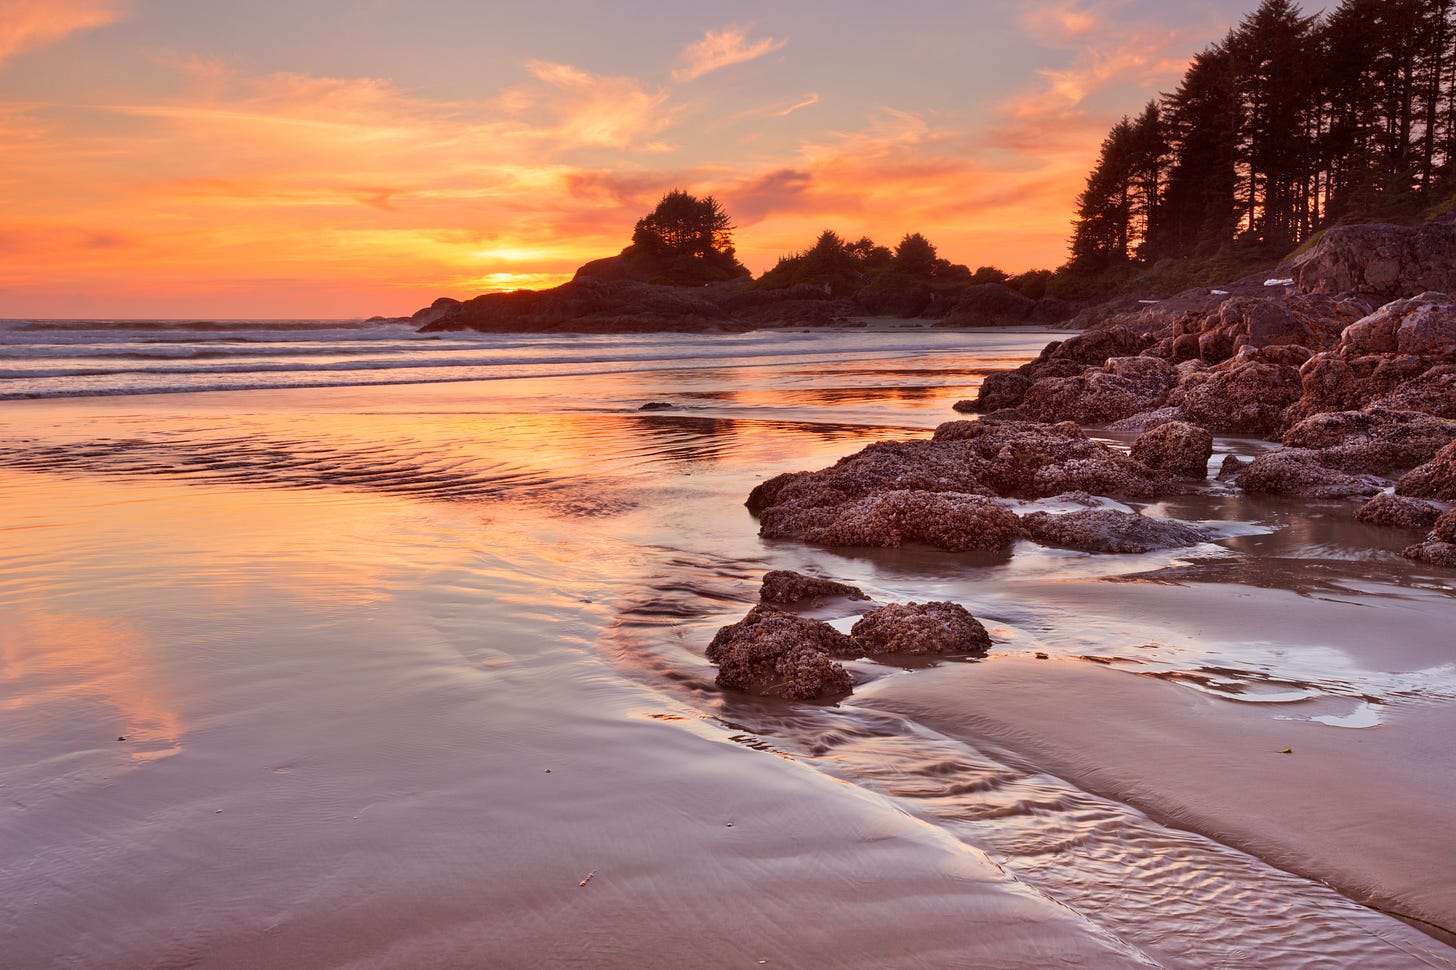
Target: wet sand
[{"x": 346, "y": 633}]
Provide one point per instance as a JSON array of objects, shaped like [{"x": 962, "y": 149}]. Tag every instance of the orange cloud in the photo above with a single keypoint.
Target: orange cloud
[
  {"x": 1062, "y": 22},
  {"x": 27, "y": 25},
  {"x": 584, "y": 109},
  {"x": 719, "y": 49}
]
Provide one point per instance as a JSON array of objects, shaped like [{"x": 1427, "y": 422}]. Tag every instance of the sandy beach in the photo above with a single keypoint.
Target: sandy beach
[{"x": 413, "y": 675}]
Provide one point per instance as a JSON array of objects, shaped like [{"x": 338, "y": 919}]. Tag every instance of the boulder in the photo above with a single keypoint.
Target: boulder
[
  {"x": 956, "y": 522},
  {"x": 1109, "y": 530},
  {"x": 1439, "y": 547},
  {"x": 918, "y": 629},
  {"x": 1385, "y": 262},
  {"x": 1146, "y": 420},
  {"x": 882, "y": 466},
  {"x": 1424, "y": 326},
  {"x": 1025, "y": 459},
  {"x": 1376, "y": 439},
  {"x": 773, "y": 653},
  {"x": 1244, "y": 395},
  {"x": 1004, "y": 390},
  {"x": 1435, "y": 479},
  {"x": 783, "y": 586},
  {"x": 1433, "y": 392},
  {"x": 1298, "y": 471},
  {"x": 1094, "y": 397},
  {"x": 1231, "y": 467},
  {"x": 1400, "y": 513},
  {"x": 1177, "y": 449}
]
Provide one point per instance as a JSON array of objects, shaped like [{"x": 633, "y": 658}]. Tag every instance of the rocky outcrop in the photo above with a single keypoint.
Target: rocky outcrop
[
  {"x": 586, "y": 304},
  {"x": 938, "y": 492},
  {"x": 1423, "y": 326},
  {"x": 1122, "y": 387},
  {"x": 1109, "y": 530},
  {"x": 1023, "y": 459},
  {"x": 1177, "y": 449},
  {"x": 1435, "y": 479},
  {"x": 777, "y": 654},
  {"x": 1384, "y": 261},
  {"x": 1299, "y": 472},
  {"x": 919, "y": 629},
  {"x": 953, "y": 521},
  {"x": 1398, "y": 513},
  {"x": 1068, "y": 358},
  {"x": 1439, "y": 547},
  {"x": 784, "y": 586},
  {"x": 1245, "y": 395},
  {"x": 1377, "y": 439}
]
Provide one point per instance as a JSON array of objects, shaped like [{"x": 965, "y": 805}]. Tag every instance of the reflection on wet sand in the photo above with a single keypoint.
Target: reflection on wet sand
[{"x": 75, "y": 666}]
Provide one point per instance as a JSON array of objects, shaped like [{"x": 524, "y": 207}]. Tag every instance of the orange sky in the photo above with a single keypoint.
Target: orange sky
[{"x": 332, "y": 159}]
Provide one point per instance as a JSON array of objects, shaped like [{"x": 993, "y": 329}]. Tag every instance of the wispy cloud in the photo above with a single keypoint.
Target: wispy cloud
[
  {"x": 721, "y": 48},
  {"x": 583, "y": 109},
  {"x": 1062, "y": 22},
  {"x": 27, "y": 25}
]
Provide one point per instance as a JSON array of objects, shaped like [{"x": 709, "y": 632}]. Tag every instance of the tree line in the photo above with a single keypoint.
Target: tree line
[{"x": 1290, "y": 124}]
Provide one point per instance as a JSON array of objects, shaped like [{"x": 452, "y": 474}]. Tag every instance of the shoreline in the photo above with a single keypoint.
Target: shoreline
[{"x": 353, "y": 761}]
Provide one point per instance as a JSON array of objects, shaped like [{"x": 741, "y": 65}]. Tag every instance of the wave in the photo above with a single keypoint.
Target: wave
[{"x": 88, "y": 370}]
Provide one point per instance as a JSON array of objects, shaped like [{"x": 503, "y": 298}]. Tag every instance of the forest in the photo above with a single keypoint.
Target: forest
[{"x": 1289, "y": 124}]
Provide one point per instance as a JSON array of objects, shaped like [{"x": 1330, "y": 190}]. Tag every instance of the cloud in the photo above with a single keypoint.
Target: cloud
[
  {"x": 721, "y": 48},
  {"x": 1063, "y": 22},
  {"x": 581, "y": 109},
  {"x": 27, "y": 25}
]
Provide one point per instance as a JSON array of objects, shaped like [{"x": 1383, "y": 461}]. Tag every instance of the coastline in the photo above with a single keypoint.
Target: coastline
[{"x": 344, "y": 755}]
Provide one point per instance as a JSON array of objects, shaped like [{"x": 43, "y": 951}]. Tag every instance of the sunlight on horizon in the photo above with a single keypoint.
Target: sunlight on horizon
[{"x": 194, "y": 164}]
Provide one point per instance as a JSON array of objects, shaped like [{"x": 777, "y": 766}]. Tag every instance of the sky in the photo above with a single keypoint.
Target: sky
[{"x": 263, "y": 159}]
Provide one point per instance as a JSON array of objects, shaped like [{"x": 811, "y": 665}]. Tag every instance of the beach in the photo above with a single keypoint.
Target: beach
[{"x": 349, "y": 647}]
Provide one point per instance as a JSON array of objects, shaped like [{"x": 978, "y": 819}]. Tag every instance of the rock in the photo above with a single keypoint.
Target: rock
[
  {"x": 956, "y": 522},
  {"x": 1094, "y": 397},
  {"x": 1231, "y": 466},
  {"x": 1424, "y": 325},
  {"x": 883, "y": 466},
  {"x": 997, "y": 391},
  {"x": 1178, "y": 449},
  {"x": 435, "y": 311},
  {"x": 1376, "y": 439},
  {"x": 1244, "y": 395},
  {"x": 1032, "y": 460},
  {"x": 1108, "y": 530},
  {"x": 773, "y": 653},
  {"x": 786, "y": 586},
  {"x": 1297, "y": 471},
  {"x": 656, "y": 406},
  {"x": 1384, "y": 261},
  {"x": 1096, "y": 346},
  {"x": 1433, "y": 392},
  {"x": 1401, "y": 513},
  {"x": 1435, "y": 479},
  {"x": 917, "y": 629},
  {"x": 1439, "y": 547},
  {"x": 1329, "y": 383},
  {"x": 1251, "y": 322},
  {"x": 1146, "y": 420}
]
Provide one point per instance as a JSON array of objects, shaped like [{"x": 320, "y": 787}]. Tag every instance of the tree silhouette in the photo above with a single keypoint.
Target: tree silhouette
[{"x": 685, "y": 240}]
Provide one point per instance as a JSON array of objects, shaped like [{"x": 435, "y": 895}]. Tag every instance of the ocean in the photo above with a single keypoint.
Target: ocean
[{"x": 334, "y": 644}]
